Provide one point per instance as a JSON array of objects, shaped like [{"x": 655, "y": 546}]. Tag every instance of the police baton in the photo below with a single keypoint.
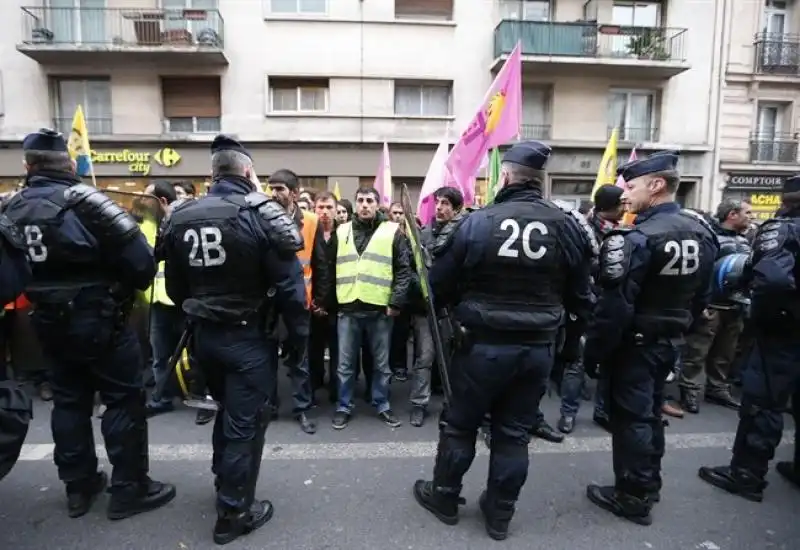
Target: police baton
[{"x": 172, "y": 363}]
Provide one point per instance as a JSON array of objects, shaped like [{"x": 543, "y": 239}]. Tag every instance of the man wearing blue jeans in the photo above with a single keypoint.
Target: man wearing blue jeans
[{"x": 373, "y": 273}]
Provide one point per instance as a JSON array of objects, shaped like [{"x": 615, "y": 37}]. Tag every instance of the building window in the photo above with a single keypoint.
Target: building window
[
  {"x": 633, "y": 112},
  {"x": 292, "y": 95},
  {"x": 191, "y": 105},
  {"x": 429, "y": 99},
  {"x": 299, "y": 6},
  {"x": 536, "y": 112},
  {"x": 441, "y": 10},
  {"x": 94, "y": 97},
  {"x": 773, "y": 140},
  {"x": 636, "y": 14},
  {"x": 77, "y": 21},
  {"x": 177, "y": 20},
  {"x": 318, "y": 183},
  {"x": 525, "y": 10}
]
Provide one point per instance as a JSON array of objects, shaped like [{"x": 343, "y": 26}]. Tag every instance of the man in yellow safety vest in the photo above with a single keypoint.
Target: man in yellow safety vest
[{"x": 373, "y": 274}]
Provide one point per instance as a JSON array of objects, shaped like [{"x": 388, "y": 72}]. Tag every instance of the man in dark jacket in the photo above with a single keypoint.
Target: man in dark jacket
[{"x": 373, "y": 273}]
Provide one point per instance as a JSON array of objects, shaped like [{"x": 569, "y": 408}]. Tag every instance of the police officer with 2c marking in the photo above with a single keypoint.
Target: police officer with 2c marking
[
  {"x": 230, "y": 259},
  {"x": 88, "y": 257},
  {"x": 771, "y": 375},
  {"x": 655, "y": 281},
  {"x": 511, "y": 274}
]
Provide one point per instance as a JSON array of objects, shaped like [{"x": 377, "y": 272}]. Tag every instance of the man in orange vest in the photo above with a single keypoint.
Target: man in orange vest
[{"x": 316, "y": 272}]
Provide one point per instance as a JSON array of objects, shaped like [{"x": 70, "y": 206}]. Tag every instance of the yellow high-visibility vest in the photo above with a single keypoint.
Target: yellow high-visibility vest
[
  {"x": 158, "y": 290},
  {"x": 368, "y": 277}
]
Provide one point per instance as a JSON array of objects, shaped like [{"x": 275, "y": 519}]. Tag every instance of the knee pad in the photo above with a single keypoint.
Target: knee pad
[{"x": 449, "y": 430}]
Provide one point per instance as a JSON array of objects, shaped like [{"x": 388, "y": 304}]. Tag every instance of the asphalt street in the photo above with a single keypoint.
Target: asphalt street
[{"x": 351, "y": 490}]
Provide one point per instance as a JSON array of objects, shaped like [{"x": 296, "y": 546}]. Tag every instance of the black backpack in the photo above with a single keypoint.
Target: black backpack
[{"x": 16, "y": 412}]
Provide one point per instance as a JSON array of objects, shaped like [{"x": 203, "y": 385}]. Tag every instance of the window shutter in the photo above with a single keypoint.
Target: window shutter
[
  {"x": 423, "y": 9},
  {"x": 191, "y": 97}
]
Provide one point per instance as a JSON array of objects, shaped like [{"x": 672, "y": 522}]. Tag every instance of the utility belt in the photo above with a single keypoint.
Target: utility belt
[{"x": 465, "y": 337}]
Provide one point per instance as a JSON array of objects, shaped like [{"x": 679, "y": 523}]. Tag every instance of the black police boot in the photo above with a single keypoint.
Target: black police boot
[
  {"x": 82, "y": 494},
  {"x": 735, "y": 481},
  {"x": 146, "y": 496},
  {"x": 602, "y": 420},
  {"x": 497, "y": 515},
  {"x": 442, "y": 502},
  {"x": 621, "y": 504},
  {"x": 790, "y": 471},
  {"x": 545, "y": 431},
  {"x": 232, "y": 525}
]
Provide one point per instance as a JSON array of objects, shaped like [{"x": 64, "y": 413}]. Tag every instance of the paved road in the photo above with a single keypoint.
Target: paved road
[{"x": 350, "y": 490}]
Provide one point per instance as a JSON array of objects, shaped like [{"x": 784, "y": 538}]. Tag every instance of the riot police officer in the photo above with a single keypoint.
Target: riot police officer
[
  {"x": 772, "y": 373},
  {"x": 14, "y": 269},
  {"x": 511, "y": 274},
  {"x": 88, "y": 257},
  {"x": 230, "y": 260},
  {"x": 654, "y": 281}
]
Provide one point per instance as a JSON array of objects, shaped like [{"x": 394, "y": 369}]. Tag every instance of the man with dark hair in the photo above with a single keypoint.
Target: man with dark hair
[
  {"x": 509, "y": 331},
  {"x": 608, "y": 211},
  {"x": 771, "y": 376},
  {"x": 317, "y": 276},
  {"x": 711, "y": 346},
  {"x": 88, "y": 258},
  {"x": 373, "y": 273},
  {"x": 185, "y": 189},
  {"x": 655, "y": 282},
  {"x": 231, "y": 265}
]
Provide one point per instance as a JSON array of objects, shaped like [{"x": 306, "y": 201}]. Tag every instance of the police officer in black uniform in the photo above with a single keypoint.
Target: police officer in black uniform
[
  {"x": 14, "y": 269},
  {"x": 230, "y": 260},
  {"x": 772, "y": 373},
  {"x": 511, "y": 274},
  {"x": 654, "y": 281},
  {"x": 88, "y": 258}
]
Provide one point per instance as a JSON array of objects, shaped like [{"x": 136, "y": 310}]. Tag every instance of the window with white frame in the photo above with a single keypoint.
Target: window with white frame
[
  {"x": 525, "y": 10},
  {"x": 288, "y": 95},
  {"x": 633, "y": 112},
  {"x": 423, "y": 99},
  {"x": 303, "y": 7},
  {"x": 77, "y": 21},
  {"x": 94, "y": 97},
  {"x": 773, "y": 140},
  {"x": 536, "y": 112}
]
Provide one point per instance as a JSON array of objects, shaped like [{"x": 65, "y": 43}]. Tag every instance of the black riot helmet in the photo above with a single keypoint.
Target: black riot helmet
[{"x": 728, "y": 278}]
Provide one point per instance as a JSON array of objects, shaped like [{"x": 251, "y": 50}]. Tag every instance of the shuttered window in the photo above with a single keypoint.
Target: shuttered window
[
  {"x": 424, "y": 9},
  {"x": 191, "y": 105}
]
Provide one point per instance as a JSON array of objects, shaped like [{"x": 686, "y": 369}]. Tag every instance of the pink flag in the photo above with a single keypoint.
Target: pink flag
[
  {"x": 620, "y": 181},
  {"x": 434, "y": 179},
  {"x": 383, "y": 179},
  {"x": 496, "y": 123}
]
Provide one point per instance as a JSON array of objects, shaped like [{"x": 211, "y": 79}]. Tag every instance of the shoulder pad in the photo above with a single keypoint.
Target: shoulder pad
[
  {"x": 615, "y": 258},
  {"x": 583, "y": 223},
  {"x": 11, "y": 233},
  {"x": 771, "y": 235},
  {"x": 107, "y": 220},
  {"x": 176, "y": 205},
  {"x": 283, "y": 233},
  {"x": 698, "y": 218},
  {"x": 256, "y": 199}
]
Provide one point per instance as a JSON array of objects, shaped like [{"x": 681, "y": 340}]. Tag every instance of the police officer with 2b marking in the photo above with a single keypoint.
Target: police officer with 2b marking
[
  {"x": 512, "y": 273},
  {"x": 654, "y": 281},
  {"x": 88, "y": 258},
  {"x": 230, "y": 262}
]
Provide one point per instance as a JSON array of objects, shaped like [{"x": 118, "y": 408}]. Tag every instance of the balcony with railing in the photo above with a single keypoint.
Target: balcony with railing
[
  {"x": 117, "y": 35},
  {"x": 777, "y": 54},
  {"x": 594, "y": 49},
  {"x": 631, "y": 135},
  {"x": 94, "y": 126},
  {"x": 777, "y": 148}
]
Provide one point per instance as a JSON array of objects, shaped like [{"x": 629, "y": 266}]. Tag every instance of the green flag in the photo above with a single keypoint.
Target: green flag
[{"x": 494, "y": 175}]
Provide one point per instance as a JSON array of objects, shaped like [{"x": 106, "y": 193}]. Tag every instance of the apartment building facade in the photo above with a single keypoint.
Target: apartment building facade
[
  {"x": 318, "y": 85},
  {"x": 758, "y": 145}
]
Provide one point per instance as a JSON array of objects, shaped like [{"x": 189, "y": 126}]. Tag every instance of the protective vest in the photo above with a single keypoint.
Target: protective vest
[
  {"x": 516, "y": 290},
  {"x": 59, "y": 258},
  {"x": 368, "y": 277},
  {"x": 309, "y": 235},
  {"x": 676, "y": 273},
  {"x": 211, "y": 236},
  {"x": 732, "y": 244},
  {"x": 157, "y": 292}
]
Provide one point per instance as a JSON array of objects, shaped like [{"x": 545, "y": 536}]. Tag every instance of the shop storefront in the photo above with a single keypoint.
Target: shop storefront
[{"x": 762, "y": 191}]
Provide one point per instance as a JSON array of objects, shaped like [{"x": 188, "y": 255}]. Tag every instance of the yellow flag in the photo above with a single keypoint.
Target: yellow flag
[
  {"x": 607, "y": 173},
  {"x": 337, "y": 192}
]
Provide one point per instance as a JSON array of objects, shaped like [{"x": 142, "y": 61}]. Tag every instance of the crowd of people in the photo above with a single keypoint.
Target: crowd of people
[{"x": 243, "y": 283}]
